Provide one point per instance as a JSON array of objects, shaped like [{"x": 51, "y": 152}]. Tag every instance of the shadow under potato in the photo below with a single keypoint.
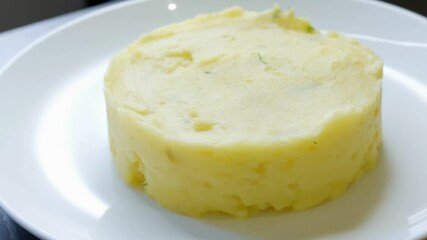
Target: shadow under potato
[{"x": 140, "y": 217}]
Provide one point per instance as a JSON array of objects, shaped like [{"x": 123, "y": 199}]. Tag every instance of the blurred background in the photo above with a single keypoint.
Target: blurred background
[{"x": 15, "y": 13}]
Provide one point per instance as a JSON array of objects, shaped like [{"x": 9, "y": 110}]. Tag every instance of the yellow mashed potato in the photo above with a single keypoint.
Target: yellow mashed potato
[{"x": 240, "y": 111}]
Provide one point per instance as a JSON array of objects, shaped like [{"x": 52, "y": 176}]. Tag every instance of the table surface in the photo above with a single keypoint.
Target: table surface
[{"x": 12, "y": 41}]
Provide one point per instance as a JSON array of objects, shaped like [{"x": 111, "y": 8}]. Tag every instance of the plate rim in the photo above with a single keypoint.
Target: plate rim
[
  {"x": 32, "y": 227},
  {"x": 9, "y": 210}
]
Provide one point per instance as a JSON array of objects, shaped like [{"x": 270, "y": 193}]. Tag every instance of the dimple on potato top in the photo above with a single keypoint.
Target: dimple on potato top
[{"x": 240, "y": 111}]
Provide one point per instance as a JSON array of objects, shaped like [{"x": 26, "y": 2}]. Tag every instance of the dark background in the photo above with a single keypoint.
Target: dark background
[{"x": 16, "y": 13}]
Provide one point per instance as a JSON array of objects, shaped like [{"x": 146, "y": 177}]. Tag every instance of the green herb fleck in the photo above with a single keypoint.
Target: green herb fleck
[
  {"x": 276, "y": 13},
  {"x": 315, "y": 142},
  {"x": 145, "y": 184},
  {"x": 207, "y": 72},
  {"x": 261, "y": 59},
  {"x": 310, "y": 29}
]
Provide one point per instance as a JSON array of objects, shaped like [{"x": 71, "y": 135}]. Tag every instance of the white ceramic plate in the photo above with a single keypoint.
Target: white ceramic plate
[{"x": 56, "y": 172}]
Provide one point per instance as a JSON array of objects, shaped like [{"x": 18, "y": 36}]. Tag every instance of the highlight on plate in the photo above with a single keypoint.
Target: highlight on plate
[{"x": 242, "y": 111}]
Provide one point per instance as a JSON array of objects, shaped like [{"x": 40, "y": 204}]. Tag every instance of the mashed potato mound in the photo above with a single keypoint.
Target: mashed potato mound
[{"x": 240, "y": 111}]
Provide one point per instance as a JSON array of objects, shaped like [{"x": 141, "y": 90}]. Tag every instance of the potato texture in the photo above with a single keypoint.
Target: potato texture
[{"x": 240, "y": 111}]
